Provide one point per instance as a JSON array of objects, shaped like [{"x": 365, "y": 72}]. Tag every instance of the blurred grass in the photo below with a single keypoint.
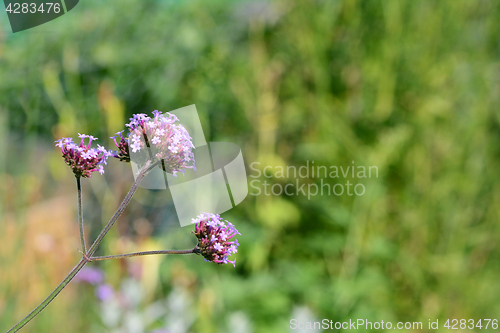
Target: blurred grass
[{"x": 411, "y": 87}]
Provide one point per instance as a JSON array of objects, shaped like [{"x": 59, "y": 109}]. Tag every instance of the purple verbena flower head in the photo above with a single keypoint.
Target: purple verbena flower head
[
  {"x": 214, "y": 238},
  {"x": 169, "y": 141},
  {"x": 83, "y": 159}
]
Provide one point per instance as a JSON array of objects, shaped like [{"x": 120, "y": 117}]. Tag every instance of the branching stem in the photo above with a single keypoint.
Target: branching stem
[
  {"x": 148, "y": 166},
  {"x": 87, "y": 255}
]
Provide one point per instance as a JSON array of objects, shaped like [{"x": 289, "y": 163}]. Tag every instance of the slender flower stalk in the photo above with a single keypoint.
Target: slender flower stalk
[
  {"x": 80, "y": 214},
  {"x": 145, "y": 253},
  {"x": 49, "y": 298}
]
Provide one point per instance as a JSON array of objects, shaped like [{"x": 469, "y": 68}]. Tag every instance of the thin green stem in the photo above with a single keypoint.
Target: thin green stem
[
  {"x": 49, "y": 298},
  {"x": 146, "y": 253},
  {"x": 80, "y": 214}
]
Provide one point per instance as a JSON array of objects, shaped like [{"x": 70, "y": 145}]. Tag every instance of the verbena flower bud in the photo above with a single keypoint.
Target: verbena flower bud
[
  {"x": 169, "y": 141},
  {"x": 82, "y": 159},
  {"x": 122, "y": 152},
  {"x": 214, "y": 238}
]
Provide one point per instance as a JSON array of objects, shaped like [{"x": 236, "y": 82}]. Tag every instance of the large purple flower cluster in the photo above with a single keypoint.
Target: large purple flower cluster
[
  {"x": 82, "y": 159},
  {"x": 168, "y": 141},
  {"x": 214, "y": 238}
]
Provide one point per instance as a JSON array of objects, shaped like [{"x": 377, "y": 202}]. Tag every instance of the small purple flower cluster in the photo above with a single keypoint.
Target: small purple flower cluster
[
  {"x": 214, "y": 238},
  {"x": 83, "y": 159},
  {"x": 170, "y": 142}
]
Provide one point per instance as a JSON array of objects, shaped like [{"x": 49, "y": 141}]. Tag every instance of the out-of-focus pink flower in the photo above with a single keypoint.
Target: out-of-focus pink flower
[
  {"x": 90, "y": 275},
  {"x": 104, "y": 292}
]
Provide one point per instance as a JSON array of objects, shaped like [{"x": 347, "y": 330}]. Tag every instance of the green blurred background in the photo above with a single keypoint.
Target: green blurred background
[{"x": 412, "y": 87}]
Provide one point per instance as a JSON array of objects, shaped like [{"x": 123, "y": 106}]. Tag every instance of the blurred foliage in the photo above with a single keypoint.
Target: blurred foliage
[{"x": 412, "y": 87}]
